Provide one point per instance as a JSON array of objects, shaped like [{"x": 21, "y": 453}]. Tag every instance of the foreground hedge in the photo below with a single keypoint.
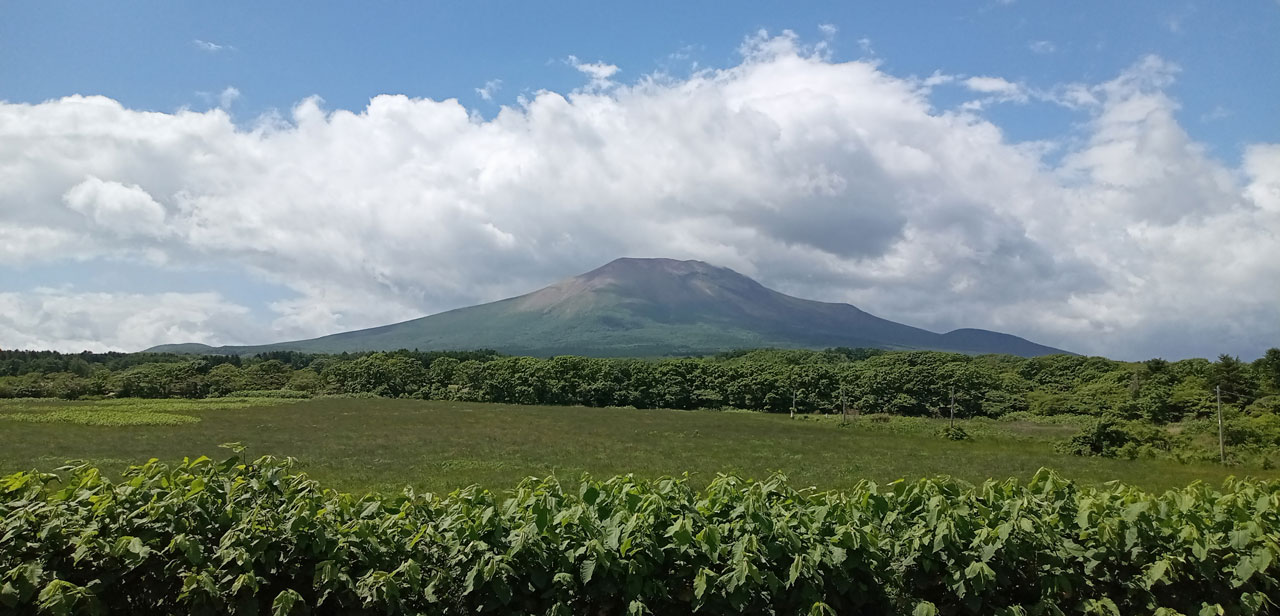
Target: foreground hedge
[{"x": 207, "y": 537}]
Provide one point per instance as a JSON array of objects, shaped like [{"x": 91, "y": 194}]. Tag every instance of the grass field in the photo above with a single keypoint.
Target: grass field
[{"x": 379, "y": 444}]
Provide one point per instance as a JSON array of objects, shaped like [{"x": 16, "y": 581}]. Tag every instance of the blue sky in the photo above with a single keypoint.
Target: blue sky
[
  {"x": 1092, "y": 118},
  {"x": 146, "y": 55}
]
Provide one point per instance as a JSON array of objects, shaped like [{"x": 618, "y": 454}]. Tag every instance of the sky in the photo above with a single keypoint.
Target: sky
[{"x": 1102, "y": 177}]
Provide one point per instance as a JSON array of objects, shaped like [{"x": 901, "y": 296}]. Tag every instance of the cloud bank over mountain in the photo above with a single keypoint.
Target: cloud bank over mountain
[{"x": 828, "y": 180}]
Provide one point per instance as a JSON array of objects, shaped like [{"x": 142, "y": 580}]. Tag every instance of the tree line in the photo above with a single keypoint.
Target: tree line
[{"x": 912, "y": 383}]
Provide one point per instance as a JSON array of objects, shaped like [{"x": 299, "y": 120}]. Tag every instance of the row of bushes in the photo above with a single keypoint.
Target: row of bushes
[{"x": 230, "y": 538}]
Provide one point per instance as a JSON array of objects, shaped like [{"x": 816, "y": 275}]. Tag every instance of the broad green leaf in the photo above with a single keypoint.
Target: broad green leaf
[
  {"x": 821, "y": 609},
  {"x": 1243, "y": 571},
  {"x": 1211, "y": 609},
  {"x": 796, "y": 568},
  {"x": 1156, "y": 573},
  {"x": 700, "y": 584},
  {"x": 8, "y": 595},
  {"x": 286, "y": 602},
  {"x": 924, "y": 608}
]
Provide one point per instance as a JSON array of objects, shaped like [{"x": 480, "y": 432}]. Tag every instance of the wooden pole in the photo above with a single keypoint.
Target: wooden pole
[
  {"x": 844, "y": 408},
  {"x": 953, "y": 406},
  {"x": 1222, "y": 444}
]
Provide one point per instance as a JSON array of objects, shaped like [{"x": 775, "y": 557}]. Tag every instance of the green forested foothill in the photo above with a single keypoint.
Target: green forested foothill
[
  {"x": 230, "y": 538},
  {"x": 1151, "y": 408}
]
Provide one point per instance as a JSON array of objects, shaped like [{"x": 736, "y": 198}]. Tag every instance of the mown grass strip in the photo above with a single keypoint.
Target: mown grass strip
[
  {"x": 124, "y": 412},
  {"x": 102, "y": 417}
]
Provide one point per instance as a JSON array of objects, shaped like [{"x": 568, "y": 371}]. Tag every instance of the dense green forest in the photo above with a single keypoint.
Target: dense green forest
[
  {"x": 916, "y": 383},
  {"x": 1132, "y": 401}
]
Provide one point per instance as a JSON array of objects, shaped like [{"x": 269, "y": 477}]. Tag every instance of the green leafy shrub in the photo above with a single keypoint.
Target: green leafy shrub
[
  {"x": 1103, "y": 437},
  {"x": 1269, "y": 405},
  {"x": 955, "y": 433},
  {"x": 1114, "y": 438}
]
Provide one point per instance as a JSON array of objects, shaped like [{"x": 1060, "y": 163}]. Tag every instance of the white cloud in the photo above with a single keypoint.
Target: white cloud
[
  {"x": 936, "y": 79},
  {"x": 59, "y": 319},
  {"x": 1262, "y": 167},
  {"x": 489, "y": 88},
  {"x": 1074, "y": 96},
  {"x": 828, "y": 30},
  {"x": 836, "y": 181},
  {"x": 23, "y": 244},
  {"x": 1217, "y": 113},
  {"x": 1042, "y": 47},
  {"x": 994, "y": 85},
  {"x": 210, "y": 46},
  {"x": 998, "y": 89},
  {"x": 228, "y": 96},
  {"x": 599, "y": 72},
  {"x": 222, "y": 100},
  {"x": 125, "y": 210}
]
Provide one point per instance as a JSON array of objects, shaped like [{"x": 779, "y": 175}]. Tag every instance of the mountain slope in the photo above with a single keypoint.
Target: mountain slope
[{"x": 648, "y": 307}]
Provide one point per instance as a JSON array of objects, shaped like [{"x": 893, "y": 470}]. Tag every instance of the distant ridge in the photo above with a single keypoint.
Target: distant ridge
[{"x": 646, "y": 308}]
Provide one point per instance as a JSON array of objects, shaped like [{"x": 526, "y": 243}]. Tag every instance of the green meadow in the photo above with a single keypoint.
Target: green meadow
[{"x": 363, "y": 444}]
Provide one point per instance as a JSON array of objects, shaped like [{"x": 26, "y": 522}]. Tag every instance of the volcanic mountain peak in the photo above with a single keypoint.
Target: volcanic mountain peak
[
  {"x": 648, "y": 307},
  {"x": 630, "y": 266},
  {"x": 649, "y": 281},
  {"x": 631, "y": 275}
]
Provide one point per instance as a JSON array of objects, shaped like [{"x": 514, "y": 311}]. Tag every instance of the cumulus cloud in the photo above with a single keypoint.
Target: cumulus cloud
[
  {"x": 836, "y": 181},
  {"x": 1262, "y": 166},
  {"x": 20, "y": 245},
  {"x": 125, "y": 210},
  {"x": 60, "y": 319}
]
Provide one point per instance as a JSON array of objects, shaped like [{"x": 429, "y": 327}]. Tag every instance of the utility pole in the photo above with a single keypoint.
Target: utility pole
[
  {"x": 844, "y": 408},
  {"x": 953, "y": 406},
  {"x": 1222, "y": 444},
  {"x": 793, "y": 404}
]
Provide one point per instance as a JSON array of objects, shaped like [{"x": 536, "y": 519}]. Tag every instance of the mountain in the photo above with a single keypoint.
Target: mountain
[{"x": 643, "y": 308}]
